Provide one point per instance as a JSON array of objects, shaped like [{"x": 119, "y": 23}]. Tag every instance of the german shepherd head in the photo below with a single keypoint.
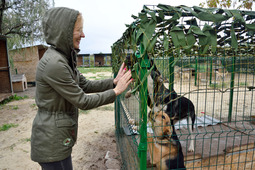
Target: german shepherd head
[{"x": 161, "y": 124}]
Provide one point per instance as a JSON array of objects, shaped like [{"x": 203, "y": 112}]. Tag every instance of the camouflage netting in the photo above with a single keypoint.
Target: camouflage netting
[{"x": 186, "y": 31}]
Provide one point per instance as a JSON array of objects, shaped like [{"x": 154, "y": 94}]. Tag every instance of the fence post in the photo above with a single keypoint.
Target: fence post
[
  {"x": 171, "y": 73},
  {"x": 211, "y": 70},
  {"x": 196, "y": 71},
  {"x": 231, "y": 88},
  {"x": 142, "y": 148}
]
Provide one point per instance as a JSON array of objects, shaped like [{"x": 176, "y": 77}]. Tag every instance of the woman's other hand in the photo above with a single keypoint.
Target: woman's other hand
[
  {"x": 123, "y": 83},
  {"x": 121, "y": 72}
]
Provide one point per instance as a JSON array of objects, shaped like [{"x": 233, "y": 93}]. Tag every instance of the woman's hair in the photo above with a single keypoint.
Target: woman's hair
[{"x": 79, "y": 20}]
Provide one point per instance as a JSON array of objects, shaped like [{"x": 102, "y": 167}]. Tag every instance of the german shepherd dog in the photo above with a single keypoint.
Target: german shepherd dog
[
  {"x": 164, "y": 146},
  {"x": 175, "y": 106}
]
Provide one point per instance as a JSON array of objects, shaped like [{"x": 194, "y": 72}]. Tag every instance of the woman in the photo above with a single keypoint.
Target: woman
[{"x": 61, "y": 90}]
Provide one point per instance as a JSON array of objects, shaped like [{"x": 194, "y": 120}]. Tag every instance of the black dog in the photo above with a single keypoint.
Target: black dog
[{"x": 177, "y": 107}]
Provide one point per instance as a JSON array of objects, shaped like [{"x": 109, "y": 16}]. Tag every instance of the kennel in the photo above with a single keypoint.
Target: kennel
[{"x": 206, "y": 55}]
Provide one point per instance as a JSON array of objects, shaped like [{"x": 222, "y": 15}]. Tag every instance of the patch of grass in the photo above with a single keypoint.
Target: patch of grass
[
  {"x": 106, "y": 108},
  {"x": 26, "y": 140},
  {"x": 243, "y": 84},
  {"x": 33, "y": 105},
  {"x": 7, "y": 126},
  {"x": 14, "y": 107},
  {"x": 12, "y": 98},
  {"x": 93, "y": 77},
  {"x": 94, "y": 69},
  {"x": 218, "y": 85},
  {"x": 84, "y": 111}
]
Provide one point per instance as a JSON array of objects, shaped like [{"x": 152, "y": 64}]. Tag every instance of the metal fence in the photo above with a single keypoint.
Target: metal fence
[{"x": 205, "y": 55}]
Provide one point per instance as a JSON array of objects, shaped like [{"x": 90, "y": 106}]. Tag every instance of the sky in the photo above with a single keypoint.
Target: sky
[{"x": 104, "y": 20}]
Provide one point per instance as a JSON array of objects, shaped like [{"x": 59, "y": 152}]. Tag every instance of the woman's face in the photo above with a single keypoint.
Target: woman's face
[{"x": 78, "y": 33}]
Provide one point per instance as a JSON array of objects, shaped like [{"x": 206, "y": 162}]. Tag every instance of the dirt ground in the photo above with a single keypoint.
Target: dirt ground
[
  {"x": 96, "y": 146},
  {"x": 95, "y": 149}
]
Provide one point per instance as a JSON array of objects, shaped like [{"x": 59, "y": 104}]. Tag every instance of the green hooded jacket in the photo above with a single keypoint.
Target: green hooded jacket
[{"x": 61, "y": 90}]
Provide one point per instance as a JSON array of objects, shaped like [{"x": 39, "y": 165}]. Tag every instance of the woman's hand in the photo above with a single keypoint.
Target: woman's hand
[
  {"x": 121, "y": 72},
  {"x": 123, "y": 83}
]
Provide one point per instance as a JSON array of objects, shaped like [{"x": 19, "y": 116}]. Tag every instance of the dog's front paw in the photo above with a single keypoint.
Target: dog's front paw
[
  {"x": 131, "y": 121},
  {"x": 135, "y": 128},
  {"x": 191, "y": 148}
]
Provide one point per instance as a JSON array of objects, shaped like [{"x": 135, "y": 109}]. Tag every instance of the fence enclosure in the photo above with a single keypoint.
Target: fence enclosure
[{"x": 206, "y": 55}]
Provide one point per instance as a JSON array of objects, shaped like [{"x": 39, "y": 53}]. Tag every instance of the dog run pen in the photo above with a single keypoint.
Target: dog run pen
[{"x": 206, "y": 55}]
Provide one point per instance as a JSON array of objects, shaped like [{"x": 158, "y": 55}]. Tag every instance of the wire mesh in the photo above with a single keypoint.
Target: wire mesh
[{"x": 207, "y": 57}]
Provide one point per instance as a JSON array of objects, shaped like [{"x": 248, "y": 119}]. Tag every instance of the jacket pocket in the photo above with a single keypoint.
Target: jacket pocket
[
  {"x": 67, "y": 129},
  {"x": 65, "y": 123}
]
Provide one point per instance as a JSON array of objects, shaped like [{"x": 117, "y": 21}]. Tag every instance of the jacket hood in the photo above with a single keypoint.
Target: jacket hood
[{"x": 58, "y": 25}]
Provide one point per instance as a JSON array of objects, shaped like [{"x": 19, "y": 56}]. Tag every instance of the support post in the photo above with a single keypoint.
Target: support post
[
  {"x": 171, "y": 73},
  {"x": 232, "y": 83},
  {"x": 196, "y": 71},
  {"x": 142, "y": 148}
]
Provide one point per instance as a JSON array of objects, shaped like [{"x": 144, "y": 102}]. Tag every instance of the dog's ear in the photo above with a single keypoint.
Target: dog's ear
[{"x": 151, "y": 116}]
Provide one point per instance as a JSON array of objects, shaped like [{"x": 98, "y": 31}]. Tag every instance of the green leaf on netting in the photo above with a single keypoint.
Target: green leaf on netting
[
  {"x": 165, "y": 7},
  {"x": 199, "y": 9},
  {"x": 175, "y": 39},
  {"x": 138, "y": 36},
  {"x": 196, "y": 30},
  {"x": 166, "y": 42},
  {"x": 148, "y": 28},
  {"x": 181, "y": 37},
  {"x": 237, "y": 16},
  {"x": 176, "y": 16},
  {"x": 213, "y": 40},
  {"x": 174, "y": 29},
  {"x": 205, "y": 49},
  {"x": 146, "y": 9},
  {"x": 161, "y": 15},
  {"x": 250, "y": 27},
  {"x": 133, "y": 16},
  {"x": 234, "y": 43},
  {"x": 205, "y": 16},
  {"x": 189, "y": 10},
  {"x": 152, "y": 43},
  {"x": 191, "y": 40},
  {"x": 142, "y": 16},
  {"x": 178, "y": 37},
  {"x": 250, "y": 33},
  {"x": 153, "y": 16},
  {"x": 192, "y": 21}
]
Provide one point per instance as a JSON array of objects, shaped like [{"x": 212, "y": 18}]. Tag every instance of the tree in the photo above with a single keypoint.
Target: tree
[
  {"x": 20, "y": 20},
  {"x": 236, "y": 4}
]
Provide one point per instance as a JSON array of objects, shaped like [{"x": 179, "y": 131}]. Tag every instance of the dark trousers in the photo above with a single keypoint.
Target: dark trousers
[{"x": 65, "y": 164}]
